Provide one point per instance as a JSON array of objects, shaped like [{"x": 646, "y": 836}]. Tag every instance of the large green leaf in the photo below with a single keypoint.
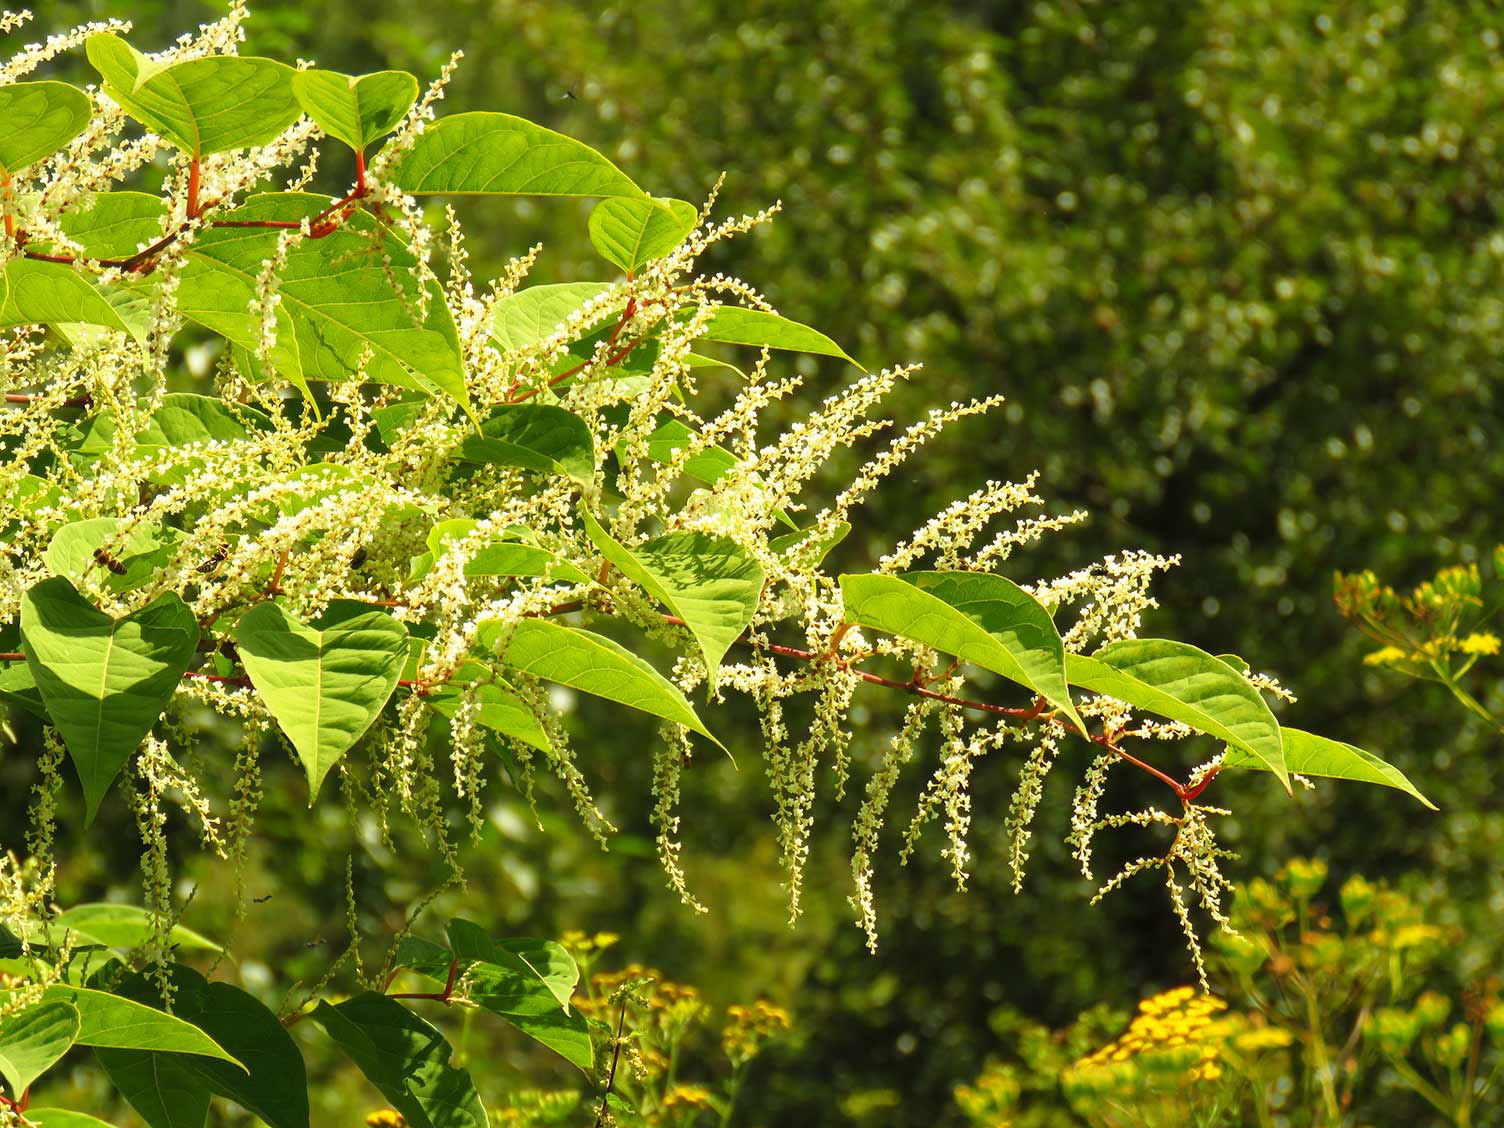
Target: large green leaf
[
  {"x": 111, "y": 552},
  {"x": 535, "y": 436},
  {"x": 711, "y": 582},
  {"x": 527, "y": 982},
  {"x": 163, "y": 1089},
  {"x": 206, "y": 105},
  {"x": 51, "y": 293},
  {"x": 1178, "y": 681},
  {"x": 116, "y": 224},
  {"x": 324, "y": 682},
  {"x": 528, "y": 316},
  {"x": 629, "y": 232},
  {"x": 355, "y": 110},
  {"x": 737, "y": 325},
  {"x": 593, "y": 664},
  {"x": 115, "y": 925},
  {"x": 36, "y": 120},
  {"x": 1312, "y": 755},
  {"x": 110, "y": 1021},
  {"x": 347, "y": 296},
  {"x": 486, "y": 154},
  {"x": 981, "y": 618},
  {"x": 32, "y": 1041},
  {"x": 104, "y": 681},
  {"x": 405, "y": 1058},
  {"x": 274, "y": 1085}
]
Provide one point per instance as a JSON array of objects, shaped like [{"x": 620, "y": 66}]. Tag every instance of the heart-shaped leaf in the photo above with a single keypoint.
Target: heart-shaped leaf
[
  {"x": 629, "y": 232},
  {"x": 355, "y": 110},
  {"x": 111, "y": 552},
  {"x": 405, "y": 1058},
  {"x": 36, "y": 120},
  {"x": 710, "y": 582},
  {"x": 104, "y": 681},
  {"x": 481, "y": 154},
  {"x": 981, "y": 618},
  {"x": 206, "y": 105},
  {"x": 324, "y": 682},
  {"x": 32, "y": 1041},
  {"x": 1179, "y": 681}
]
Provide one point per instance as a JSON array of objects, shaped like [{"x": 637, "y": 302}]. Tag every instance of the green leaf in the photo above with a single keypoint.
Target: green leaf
[
  {"x": 530, "y": 984},
  {"x": 355, "y": 110},
  {"x": 711, "y": 582},
  {"x": 502, "y": 709},
  {"x": 708, "y": 465},
  {"x": 593, "y": 664},
  {"x": 113, "y": 553},
  {"x": 547, "y": 965},
  {"x": 104, "y": 681},
  {"x": 111, "y": 1021},
  {"x": 339, "y": 299},
  {"x": 483, "y": 154},
  {"x": 116, "y": 224},
  {"x": 32, "y": 1041},
  {"x": 736, "y": 325},
  {"x": 804, "y": 542},
  {"x": 123, "y": 926},
  {"x": 36, "y": 120},
  {"x": 275, "y": 1084},
  {"x": 1178, "y": 681},
  {"x": 980, "y": 618},
  {"x": 162, "y": 1089},
  {"x": 207, "y": 105},
  {"x": 325, "y": 682},
  {"x": 498, "y": 557},
  {"x": 406, "y": 1059},
  {"x": 629, "y": 232},
  {"x": 62, "y": 1118},
  {"x": 1312, "y": 755},
  {"x": 51, "y": 293},
  {"x": 528, "y": 316},
  {"x": 534, "y": 436}
]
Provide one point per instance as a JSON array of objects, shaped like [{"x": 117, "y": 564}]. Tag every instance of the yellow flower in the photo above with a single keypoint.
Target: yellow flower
[
  {"x": 1479, "y": 644},
  {"x": 690, "y": 1096},
  {"x": 1385, "y": 656},
  {"x": 386, "y": 1118}
]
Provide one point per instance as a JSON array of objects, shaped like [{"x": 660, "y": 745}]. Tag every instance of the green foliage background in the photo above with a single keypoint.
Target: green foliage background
[{"x": 1237, "y": 266}]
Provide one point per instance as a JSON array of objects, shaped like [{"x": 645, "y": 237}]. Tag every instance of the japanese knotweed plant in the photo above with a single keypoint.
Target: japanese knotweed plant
[{"x": 410, "y": 499}]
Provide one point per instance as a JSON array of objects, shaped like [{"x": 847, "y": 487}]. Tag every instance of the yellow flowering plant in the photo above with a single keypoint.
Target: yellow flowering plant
[
  {"x": 1326, "y": 1013},
  {"x": 1439, "y": 631},
  {"x": 278, "y": 464}
]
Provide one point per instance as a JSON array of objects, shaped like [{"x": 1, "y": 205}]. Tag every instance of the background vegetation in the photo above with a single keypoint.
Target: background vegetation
[{"x": 1237, "y": 267}]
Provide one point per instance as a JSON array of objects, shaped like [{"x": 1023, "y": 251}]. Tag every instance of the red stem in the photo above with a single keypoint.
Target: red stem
[{"x": 194, "y": 173}]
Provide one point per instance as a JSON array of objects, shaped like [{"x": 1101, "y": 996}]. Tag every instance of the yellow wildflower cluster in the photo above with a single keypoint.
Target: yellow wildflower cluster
[
  {"x": 687, "y": 1096},
  {"x": 750, "y": 1028},
  {"x": 386, "y": 1118},
  {"x": 1176, "y": 1020},
  {"x": 582, "y": 943}
]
